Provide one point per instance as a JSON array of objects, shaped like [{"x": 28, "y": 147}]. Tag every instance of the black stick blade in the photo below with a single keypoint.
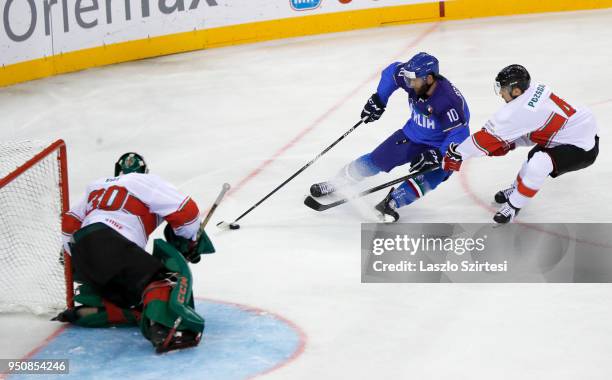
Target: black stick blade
[
  {"x": 312, "y": 203},
  {"x": 315, "y": 205}
]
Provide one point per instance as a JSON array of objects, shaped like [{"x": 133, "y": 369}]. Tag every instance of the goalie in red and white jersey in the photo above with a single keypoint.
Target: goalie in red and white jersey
[
  {"x": 106, "y": 234},
  {"x": 564, "y": 138}
]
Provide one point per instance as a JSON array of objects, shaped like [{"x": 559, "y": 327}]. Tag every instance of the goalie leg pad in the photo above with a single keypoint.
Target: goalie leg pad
[
  {"x": 95, "y": 311},
  {"x": 169, "y": 320},
  {"x": 156, "y": 298}
]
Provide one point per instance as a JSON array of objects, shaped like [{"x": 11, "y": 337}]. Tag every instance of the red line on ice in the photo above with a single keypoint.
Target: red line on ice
[
  {"x": 303, "y": 338},
  {"x": 326, "y": 114},
  {"x": 44, "y": 342},
  {"x": 600, "y": 103},
  {"x": 465, "y": 184},
  {"x": 258, "y": 170}
]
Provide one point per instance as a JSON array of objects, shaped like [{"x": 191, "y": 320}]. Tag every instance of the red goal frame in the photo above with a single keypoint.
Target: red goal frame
[{"x": 58, "y": 148}]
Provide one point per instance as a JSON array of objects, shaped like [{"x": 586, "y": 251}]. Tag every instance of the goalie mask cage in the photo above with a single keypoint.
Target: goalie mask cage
[{"x": 33, "y": 197}]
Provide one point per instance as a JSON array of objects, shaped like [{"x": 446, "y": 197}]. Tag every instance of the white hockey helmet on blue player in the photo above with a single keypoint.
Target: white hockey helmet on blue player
[{"x": 419, "y": 66}]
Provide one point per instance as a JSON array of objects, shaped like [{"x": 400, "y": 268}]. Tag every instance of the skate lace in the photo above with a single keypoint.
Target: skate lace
[
  {"x": 326, "y": 187},
  {"x": 506, "y": 210},
  {"x": 508, "y": 191}
]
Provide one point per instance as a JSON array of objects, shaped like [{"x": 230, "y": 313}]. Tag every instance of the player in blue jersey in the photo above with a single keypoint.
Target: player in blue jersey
[{"x": 440, "y": 116}]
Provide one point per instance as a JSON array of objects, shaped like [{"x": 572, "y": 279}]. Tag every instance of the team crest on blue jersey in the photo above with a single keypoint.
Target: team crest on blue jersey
[{"x": 304, "y": 5}]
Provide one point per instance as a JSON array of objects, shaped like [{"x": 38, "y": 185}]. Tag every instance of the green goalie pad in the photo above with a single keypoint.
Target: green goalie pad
[
  {"x": 103, "y": 314},
  {"x": 164, "y": 301},
  {"x": 187, "y": 247}
]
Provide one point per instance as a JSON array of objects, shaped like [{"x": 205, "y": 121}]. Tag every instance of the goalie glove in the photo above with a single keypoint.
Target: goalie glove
[
  {"x": 190, "y": 249},
  {"x": 452, "y": 160}
]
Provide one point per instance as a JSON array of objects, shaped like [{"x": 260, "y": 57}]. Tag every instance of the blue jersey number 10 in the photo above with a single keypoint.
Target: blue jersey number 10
[{"x": 452, "y": 115}]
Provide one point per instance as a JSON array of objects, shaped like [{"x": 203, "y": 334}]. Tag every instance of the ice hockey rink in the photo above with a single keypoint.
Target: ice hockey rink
[{"x": 252, "y": 115}]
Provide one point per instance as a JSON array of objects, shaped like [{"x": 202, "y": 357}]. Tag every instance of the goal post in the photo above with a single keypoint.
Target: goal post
[{"x": 33, "y": 198}]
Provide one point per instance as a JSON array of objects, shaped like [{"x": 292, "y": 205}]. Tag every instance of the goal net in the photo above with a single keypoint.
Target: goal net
[{"x": 34, "y": 274}]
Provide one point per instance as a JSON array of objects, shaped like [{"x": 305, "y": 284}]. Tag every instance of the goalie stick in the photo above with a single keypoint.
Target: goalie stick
[
  {"x": 224, "y": 189},
  {"x": 171, "y": 341},
  {"x": 317, "y": 206}
]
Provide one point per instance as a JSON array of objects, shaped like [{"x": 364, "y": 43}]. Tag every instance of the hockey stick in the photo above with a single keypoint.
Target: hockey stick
[
  {"x": 317, "y": 206},
  {"x": 235, "y": 226},
  {"x": 451, "y": 128},
  {"x": 224, "y": 189}
]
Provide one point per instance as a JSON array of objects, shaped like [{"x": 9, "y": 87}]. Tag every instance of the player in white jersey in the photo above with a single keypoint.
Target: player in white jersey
[
  {"x": 106, "y": 233},
  {"x": 564, "y": 138},
  {"x": 134, "y": 204}
]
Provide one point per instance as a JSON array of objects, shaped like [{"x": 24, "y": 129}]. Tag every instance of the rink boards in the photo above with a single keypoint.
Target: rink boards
[{"x": 39, "y": 40}]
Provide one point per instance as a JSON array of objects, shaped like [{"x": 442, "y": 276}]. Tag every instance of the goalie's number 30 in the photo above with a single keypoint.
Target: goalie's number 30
[{"x": 111, "y": 199}]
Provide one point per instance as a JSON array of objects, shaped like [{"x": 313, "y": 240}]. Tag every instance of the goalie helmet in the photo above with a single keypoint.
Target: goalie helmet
[
  {"x": 130, "y": 163},
  {"x": 513, "y": 76}
]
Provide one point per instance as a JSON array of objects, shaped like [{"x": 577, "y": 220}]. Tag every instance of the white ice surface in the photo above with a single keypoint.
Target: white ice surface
[{"x": 214, "y": 116}]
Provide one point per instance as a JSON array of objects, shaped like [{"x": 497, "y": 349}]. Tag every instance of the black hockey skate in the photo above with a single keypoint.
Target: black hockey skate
[
  {"x": 506, "y": 213},
  {"x": 321, "y": 189},
  {"x": 502, "y": 196},
  {"x": 166, "y": 339},
  {"x": 387, "y": 208}
]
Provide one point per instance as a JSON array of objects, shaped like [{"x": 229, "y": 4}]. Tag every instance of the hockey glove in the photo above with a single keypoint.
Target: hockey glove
[
  {"x": 427, "y": 160},
  {"x": 373, "y": 109},
  {"x": 190, "y": 249},
  {"x": 452, "y": 160}
]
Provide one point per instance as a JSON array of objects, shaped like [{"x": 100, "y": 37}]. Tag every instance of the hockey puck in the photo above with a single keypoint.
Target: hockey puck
[{"x": 230, "y": 226}]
